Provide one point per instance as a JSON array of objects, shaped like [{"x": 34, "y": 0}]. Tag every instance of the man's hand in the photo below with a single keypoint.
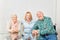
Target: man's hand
[{"x": 35, "y": 33}]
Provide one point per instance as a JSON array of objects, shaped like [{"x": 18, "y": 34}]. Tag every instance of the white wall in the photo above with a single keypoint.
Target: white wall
[
  {"x": 58, "y": 18},
  {"x": 7, "y": 7}
]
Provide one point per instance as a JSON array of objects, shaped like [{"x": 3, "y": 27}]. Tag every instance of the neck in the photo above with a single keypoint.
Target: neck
[
  {"x": 15, "y": 22},
  {"x": 41, "y": 18},
  {"x": 28, "y": 21}
]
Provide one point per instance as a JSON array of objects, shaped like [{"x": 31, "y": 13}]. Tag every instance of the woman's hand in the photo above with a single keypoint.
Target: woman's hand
[
  {"x": 35, "y": 33},
  {"x": 13, "y": 30}
]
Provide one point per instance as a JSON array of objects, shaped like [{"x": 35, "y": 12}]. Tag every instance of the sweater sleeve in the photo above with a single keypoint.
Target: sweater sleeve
[{"x": 35, "y": 27}]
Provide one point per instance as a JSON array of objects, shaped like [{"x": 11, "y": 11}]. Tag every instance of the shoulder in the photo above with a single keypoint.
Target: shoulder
[
  {"x": 33, "y": 21},
  {"x": 47, "y": 18},
  {"x": 23, "y": 21}
]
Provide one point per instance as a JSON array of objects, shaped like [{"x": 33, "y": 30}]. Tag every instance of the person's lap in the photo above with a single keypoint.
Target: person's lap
[
  {"x": 14, "y": 36},
  {"x": 41, "y": 38},
  {"x": 52, "y": 37},
  {"x": 49, "y": 37},
  {"x": 26, "y": 36}
]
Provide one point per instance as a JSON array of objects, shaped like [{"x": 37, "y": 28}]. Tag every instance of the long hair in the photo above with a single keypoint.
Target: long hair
[{"x": 29, "y": 14}]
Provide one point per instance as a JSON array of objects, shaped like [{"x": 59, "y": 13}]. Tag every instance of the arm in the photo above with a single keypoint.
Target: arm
[{"x": 35, "y": 27}]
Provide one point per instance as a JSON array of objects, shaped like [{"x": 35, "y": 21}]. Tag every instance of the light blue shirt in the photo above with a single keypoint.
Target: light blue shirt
[
  {"x": 28, "y": 26},
  {"x": 28, "y": 29}
]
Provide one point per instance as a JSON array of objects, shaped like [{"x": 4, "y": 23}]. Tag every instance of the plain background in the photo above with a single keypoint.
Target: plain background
[
  {"x": 8, "y": 7},
  {"x": 58, "y": 18}
]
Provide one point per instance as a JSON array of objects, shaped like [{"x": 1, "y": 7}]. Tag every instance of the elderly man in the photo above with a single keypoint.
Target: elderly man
[{"x": 44, "y": 27}]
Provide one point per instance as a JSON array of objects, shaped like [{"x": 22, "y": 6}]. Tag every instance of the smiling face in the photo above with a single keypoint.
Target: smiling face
[
  {"x": 40, "y": 15},
  {"x": 28, "y": 16},
  {"x": 14, "y": 18}
]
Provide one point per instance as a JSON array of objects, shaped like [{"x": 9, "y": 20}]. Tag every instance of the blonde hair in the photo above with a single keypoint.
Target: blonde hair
[
  {"x": 14, "y": 15},
  {"x": 29, "y": 14}
]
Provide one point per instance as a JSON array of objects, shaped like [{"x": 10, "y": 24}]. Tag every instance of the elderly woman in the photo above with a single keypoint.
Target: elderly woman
[
  {"x": 14, "y": 27},
  {"x": 28, "y": 25}
]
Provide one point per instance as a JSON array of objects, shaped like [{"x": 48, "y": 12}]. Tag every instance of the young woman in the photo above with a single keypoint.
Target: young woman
[
  {"x": 28, "y": 25},
  {"x": 14, "y": 27}
]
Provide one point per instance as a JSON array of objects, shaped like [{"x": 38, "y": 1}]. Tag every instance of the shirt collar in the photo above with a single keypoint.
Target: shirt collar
[{"x": 42, "y": 19}]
